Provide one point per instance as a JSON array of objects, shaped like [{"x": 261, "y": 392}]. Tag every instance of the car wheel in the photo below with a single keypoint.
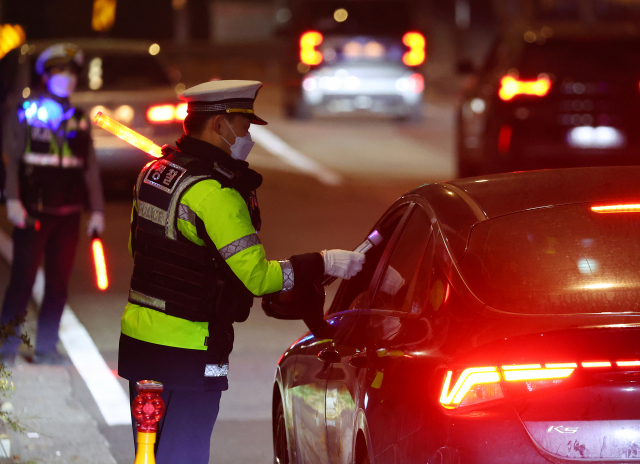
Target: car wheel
[{"x": 280, "y": 449}]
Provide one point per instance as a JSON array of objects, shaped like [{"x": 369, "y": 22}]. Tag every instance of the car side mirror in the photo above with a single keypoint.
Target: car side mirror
[{"x": 465, "y": 67}]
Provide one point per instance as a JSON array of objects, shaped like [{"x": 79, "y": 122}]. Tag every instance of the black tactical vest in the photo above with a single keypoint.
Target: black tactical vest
[{"x": 172, "y": 274}]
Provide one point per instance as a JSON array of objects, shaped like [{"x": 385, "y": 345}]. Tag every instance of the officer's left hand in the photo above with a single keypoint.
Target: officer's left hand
[{"x": 96, "y": 223}]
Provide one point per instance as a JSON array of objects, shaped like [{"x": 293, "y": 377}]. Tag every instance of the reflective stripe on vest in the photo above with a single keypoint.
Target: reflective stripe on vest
[{"x": 48, "y": 159}]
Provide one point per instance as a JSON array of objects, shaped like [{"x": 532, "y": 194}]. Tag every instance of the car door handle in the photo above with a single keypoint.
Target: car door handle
[
  {"x": 358, "y": 361},
  {"x": 329, "y": 355}
]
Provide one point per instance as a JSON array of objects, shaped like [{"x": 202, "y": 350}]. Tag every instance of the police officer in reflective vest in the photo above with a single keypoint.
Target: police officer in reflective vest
[
  {"x": 198, "y": 263},
  {"x": 51, "y": 169}
]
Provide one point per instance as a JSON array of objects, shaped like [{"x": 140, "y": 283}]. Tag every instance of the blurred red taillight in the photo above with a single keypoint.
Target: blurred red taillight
[
  {"x": 162, "y": 114},
  {"x": 417, "y": 49},
  {"x": 510, "y": 87},
  {"x": 619, "y": 208},
  {"x": 416, "y": 83},
  {"x": 308, "y": 53}
]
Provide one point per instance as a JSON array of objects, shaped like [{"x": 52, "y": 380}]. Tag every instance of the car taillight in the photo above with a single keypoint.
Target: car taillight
[
  {"x": 618, "y": 208},
  {"x": 181, "y": 111},
  {"x": 511, "y": 87},
  {"x": 416, "y": 83},
  {"x": 417, "y": 49},
  {"x": 480, "y": 384},
  {"x": 162, "y": 114},
  {"x": 308, "y": 53}
]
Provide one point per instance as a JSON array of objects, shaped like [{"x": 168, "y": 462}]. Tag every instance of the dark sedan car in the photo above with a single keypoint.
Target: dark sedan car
[
  {"x": 553, "y": 97},
  {"x": 499, "y": 322}
]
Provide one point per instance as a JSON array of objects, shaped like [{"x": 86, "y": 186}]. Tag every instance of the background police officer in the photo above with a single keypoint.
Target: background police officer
[
  {"x": 198, "y": 263},
  {"x": 51, "y": 167}
]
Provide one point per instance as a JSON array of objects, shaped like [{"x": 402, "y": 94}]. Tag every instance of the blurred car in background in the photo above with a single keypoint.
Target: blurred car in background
[
  {"x": 497, "y": 323},
  {"x": 553, "y": 97},
  {"x": 125, "y": 80},
  {"x": 345, "y": 56}
]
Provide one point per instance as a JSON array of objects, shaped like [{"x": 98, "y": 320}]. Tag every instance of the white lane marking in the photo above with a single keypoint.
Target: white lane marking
[
  {"x": 107, "y": 392},
  {"x": 278, "y": 147}
]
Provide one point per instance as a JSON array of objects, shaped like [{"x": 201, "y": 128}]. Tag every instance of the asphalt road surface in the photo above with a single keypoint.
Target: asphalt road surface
[{"x": 335, "y": 178}]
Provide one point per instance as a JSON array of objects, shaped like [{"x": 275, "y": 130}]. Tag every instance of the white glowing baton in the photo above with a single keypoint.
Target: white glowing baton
[{"x": 128, "y": 135}]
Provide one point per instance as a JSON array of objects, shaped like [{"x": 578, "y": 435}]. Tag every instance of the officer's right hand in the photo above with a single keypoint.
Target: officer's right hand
[
  {"x": 16, "y": 213},
  {"x": 342, "y": 263}
]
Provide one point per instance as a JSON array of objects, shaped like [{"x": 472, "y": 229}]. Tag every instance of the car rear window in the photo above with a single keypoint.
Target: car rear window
[
  {"x": 366, "y": 17},
  {"x": 559, "y": 260},
  {"x": 582, "y": 58},
  {"x": 125, "y": 71}
]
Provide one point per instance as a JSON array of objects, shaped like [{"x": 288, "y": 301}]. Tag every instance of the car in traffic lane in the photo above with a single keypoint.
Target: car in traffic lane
[
  {"x": 352, "y": 56},
  {"x": 550, "y": 97},
  {"x": 126, "y": 80},
  {"x": 497, "y": 323}
]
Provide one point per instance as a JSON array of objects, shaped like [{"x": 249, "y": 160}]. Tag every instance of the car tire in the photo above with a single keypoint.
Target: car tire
[{"x": 280, "y": 447}]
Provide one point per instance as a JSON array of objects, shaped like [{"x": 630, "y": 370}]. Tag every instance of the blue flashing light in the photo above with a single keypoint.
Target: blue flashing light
[{"x": 43, "y": 114}]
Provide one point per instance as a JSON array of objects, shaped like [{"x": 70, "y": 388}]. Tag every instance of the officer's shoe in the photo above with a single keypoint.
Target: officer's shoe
[{"x": 50, "y": 358}]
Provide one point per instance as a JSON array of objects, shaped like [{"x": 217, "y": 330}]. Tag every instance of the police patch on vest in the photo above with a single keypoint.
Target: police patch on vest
[{"x": 164, "y": 175}]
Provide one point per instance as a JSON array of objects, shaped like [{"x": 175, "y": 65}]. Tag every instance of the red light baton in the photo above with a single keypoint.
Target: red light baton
[{"x": 99, "y": 262}]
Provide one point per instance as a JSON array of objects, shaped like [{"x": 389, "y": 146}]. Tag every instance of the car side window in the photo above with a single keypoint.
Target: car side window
[
  {"x": 400, "y": 278},
  {"x": 355, "y": 292}
]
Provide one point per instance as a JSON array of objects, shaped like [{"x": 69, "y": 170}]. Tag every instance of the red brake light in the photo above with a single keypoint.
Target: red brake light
[
  {"x": 161, "y": 113},
  {"x": 181, "y": 111},
  {"x": 417, "y": 45},
  {"x": 623, "y": 208},
  {"x": 416, "y": 83},
  {"x": 511, "y": 87},
  {"x": 308, "y": 43}
]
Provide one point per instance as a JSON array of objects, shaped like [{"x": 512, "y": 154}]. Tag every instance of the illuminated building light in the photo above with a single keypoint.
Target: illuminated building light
[
  {"x": 596, "y": 364},
  {"x": 511, "y": 87},
  {"x": 104, "y": 15},
  {"x": 308, "y": 43},
  {"x": 154, "y": 49},
  {"x": 128, "y": 135},
  {"x": 621, "y": 208},
  {"x": 417, "y": 45},
  {"x": 628, "y": 363},
  {"x": 468, "y": 378},
  {"x": 477, "y": 105},
  {"x": 161, "y": 113},
  {"x": 504, "y": 138},
  {"x": 100, "y": 264},
  {"x": 561, "y": 365},
  {"x": 26, "y": 92}
]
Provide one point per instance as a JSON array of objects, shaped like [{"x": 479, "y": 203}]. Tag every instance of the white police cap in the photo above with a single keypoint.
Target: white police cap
[
  {"x": 60, "y": 53},
  {"x": 224, "y": 97}
]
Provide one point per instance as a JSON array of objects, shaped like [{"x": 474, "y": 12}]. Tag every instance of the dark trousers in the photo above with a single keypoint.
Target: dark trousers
[
  {"x": 57, "y": 241},
  {"x": 184, "y": 432}
]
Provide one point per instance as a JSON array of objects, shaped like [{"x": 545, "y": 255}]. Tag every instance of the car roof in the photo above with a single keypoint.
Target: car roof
[
  {"x": 497, "y": 195},
  {"x": 98, "y": 44}
]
